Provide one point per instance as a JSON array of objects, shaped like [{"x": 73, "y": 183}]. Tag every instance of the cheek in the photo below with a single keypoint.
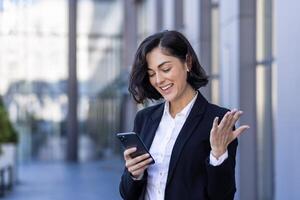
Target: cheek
[
  {"x": 181, "y": 78},
  {"x": 152, "y": 81}
]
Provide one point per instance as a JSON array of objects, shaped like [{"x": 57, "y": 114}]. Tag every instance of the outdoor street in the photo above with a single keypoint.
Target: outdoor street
[{"x": 62, "y": 181}]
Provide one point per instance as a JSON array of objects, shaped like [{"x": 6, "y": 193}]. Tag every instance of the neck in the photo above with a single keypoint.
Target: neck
[{"x": 177, "y": 105}]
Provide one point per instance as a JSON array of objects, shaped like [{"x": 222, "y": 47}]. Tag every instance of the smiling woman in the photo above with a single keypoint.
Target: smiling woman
[
  {"x": 194, "y": 151},
  {"x": 167, "y": 74},
  {"x": 171, "y": 46}
]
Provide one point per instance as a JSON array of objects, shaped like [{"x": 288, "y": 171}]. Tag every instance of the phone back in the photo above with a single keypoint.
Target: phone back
[{"x": 131, "y": 139}]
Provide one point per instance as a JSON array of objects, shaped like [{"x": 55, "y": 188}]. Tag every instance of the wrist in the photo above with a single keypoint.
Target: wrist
[
  {"x": 217, "y": 152},
  {"x": 138, "y": 177}
]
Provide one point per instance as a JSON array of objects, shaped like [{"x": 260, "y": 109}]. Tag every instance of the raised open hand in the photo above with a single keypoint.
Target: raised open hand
[{"x": 221, "y": 135}]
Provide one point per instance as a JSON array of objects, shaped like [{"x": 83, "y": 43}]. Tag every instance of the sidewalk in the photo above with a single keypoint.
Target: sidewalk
[{"x": 62, "y": 181}]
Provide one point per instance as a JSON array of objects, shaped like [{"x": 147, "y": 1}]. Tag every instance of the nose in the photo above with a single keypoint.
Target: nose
[{"x": 159, "y": 78}]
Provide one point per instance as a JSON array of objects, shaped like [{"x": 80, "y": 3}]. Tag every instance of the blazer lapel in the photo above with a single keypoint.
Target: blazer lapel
[
  {"x": 186, "y": 131},
  {"x": 152, "y": 125}
]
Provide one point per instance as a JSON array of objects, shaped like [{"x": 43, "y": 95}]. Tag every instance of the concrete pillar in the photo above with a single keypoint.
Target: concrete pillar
[
  {"x": 247, "y": 99},
  {"x": 173, "y": 15},
  {"x": 72, "y": 142},
  {"x": 130, "y": 32},
  {"x": 205, "y": 43},
  {"x": 130, "y": 38},
  {"x": 159, "y": 15},
  {"x": 265, "y": 133},
  {"x": 178, "y": 15}
]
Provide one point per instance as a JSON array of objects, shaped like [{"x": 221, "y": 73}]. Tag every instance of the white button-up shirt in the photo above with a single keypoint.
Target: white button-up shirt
[{"x": 161, "y": 150}]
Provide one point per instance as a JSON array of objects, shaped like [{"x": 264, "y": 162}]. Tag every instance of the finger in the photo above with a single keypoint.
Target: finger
[
  {"x": 140, "y": 158},
  {"x": 223, "y": 121},
  {"x": 136, "y": 160},
  {"x": 215, "y": 123},
  {"x": 127, "y": 153},
  {"x": 239, "y": 131},
  {"x": 140, "y": 171},
  {"x": 236, "y": 117},
  {"x": 140, "y": 165},
  {"x": 228, "y": 121},
  {"x": 227, "y": 129}
]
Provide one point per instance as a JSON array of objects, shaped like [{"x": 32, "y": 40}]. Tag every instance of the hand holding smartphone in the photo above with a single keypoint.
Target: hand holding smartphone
[{"x": 131, "y": 139}]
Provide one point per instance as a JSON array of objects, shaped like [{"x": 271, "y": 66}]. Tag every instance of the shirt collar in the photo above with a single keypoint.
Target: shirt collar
[{"x": 185, "y": 111}]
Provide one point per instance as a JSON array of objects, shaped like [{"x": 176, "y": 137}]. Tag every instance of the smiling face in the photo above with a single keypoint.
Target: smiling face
[{"x": 168, "y": 75}]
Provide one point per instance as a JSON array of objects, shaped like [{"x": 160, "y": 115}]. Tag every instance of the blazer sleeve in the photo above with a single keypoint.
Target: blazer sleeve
[
  {"x": 221, "y": 179},
  {"x": 131, "y": 189}
]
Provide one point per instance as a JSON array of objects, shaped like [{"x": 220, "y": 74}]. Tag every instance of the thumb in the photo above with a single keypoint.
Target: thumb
[{"x": 240, "y": 130}]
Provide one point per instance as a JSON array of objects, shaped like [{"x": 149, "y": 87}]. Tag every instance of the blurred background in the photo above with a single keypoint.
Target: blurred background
[{"x": 64, "y": 68}]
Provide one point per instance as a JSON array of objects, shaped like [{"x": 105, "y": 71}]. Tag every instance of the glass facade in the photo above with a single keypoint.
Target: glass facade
[
  {"x": 33, "y": 60},
  {"x": 34, "y": 74}
]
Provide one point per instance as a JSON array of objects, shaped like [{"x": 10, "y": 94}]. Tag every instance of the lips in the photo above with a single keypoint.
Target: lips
[{"x": 166, "y": 87}]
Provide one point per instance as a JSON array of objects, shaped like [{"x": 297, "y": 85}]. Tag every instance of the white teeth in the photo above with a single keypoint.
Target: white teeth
[{"x": 166, "y": 87}]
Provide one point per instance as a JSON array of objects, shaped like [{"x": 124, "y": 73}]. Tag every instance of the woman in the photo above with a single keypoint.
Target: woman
[{"x": 194, "y": 154}]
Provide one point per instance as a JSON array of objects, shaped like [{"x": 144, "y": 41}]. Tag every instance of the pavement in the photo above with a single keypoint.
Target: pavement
[{"x": 97, "y": 180}]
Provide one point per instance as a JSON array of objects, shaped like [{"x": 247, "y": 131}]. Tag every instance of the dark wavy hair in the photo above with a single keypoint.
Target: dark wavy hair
[{"x": 172, "y": 43}]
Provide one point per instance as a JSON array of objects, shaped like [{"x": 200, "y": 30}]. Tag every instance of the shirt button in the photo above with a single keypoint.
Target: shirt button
[{"x": 160, "y": 174}]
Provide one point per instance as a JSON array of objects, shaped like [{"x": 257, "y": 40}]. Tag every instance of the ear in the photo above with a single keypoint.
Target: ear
[
  {"x": 188, "y": 61},
  {"x": 187, "y": 68}
]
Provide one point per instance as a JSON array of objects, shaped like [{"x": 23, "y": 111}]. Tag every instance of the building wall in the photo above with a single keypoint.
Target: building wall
[
  {"x": 287, "y": 98},
  {"x": 168, "y": 14},
  {"x": 229, "y": 61},
  {"x": 191, "y": 22},
  {"x": 233, "y": 90}
]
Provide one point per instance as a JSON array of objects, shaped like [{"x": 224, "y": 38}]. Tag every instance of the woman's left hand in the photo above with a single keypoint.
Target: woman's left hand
[{"x": 221, "y": 135}]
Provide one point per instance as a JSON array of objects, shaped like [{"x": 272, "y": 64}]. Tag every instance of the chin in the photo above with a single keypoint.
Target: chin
[{"x": 169, "y": 98}]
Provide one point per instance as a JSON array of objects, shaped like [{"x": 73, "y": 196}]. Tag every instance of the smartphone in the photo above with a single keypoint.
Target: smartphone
[{"x": 131, "y": 139}]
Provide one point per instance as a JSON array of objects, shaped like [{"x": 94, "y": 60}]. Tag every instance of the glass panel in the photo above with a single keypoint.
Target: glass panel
[
  {"x": 33, "y": 62},
  {"x": 33, "y": 54},
  {"x": 100, "y": 80}
]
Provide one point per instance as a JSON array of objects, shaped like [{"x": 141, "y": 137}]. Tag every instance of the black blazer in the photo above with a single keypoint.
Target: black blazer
[{"x": 190, "y": 176}]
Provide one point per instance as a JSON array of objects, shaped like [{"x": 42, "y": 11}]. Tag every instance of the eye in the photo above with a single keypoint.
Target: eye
[
  {"x": 166, "y": 69},
  {"x": 151, "y": 74}
]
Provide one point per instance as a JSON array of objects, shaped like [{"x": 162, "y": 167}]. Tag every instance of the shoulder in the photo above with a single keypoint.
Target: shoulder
[
  {"x": 145, "y": 114},
  {"x": 209, "y": 110},
  {"x": 216, "y": 111},
  {"x": 148, "y": 111}
]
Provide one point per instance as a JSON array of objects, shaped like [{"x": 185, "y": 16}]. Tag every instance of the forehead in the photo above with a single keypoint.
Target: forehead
[{"x": 158, "y": 56}]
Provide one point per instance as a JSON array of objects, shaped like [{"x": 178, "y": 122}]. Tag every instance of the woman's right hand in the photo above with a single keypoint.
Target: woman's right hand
[{"x": 136, "y": 166}]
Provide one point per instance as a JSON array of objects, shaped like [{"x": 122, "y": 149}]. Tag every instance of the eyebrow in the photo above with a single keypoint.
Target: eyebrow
[{"x": 160, "y": 65}]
